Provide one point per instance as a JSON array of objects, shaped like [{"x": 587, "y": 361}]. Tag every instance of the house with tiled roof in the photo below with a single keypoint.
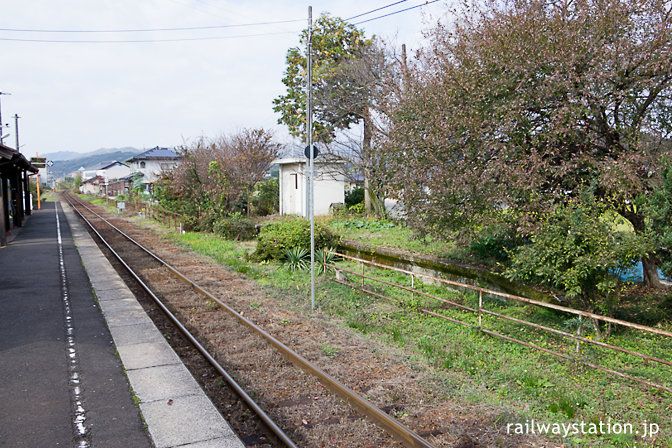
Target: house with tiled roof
[
  {"x": 153, "y": 162},
  {"x": 109, "y": 170},
  {"x": 93, "y": 186}
]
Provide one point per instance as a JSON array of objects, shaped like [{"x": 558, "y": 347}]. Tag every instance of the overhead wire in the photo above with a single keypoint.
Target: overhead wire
[
  {"x": 135, "y": 41},
  {"x": 374, "y": 10},
  {"x": 192, "y": 28},
  {"x": 396, "y": 12},
  {"x": 146, "y": 30}
]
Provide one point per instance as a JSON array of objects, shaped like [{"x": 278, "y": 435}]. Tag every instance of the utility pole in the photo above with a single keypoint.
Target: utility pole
[
  {"x": 309, "y": 133},
  {"x": 2, "y": 126},
  {"x": 16, "y": 130},
  {"x": 38, "y": 185}
]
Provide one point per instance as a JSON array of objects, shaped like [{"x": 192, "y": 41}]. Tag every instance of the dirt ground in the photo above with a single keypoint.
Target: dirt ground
[{"x": 397, "y": 383}]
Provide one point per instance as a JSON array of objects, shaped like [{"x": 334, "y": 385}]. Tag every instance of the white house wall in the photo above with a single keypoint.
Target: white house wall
[
  {"x": 292, "y": 189},
  {"x": 114, "y": 172},
  {"x": 90, "y": 189},
  {"x": 328, "y": 191},
  {"x": 152, "y": 168},
  {"x": 329, "y": 188}
]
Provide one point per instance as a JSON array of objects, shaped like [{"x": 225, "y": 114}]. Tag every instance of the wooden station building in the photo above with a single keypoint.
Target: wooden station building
[{"x": 15, "y": 204}]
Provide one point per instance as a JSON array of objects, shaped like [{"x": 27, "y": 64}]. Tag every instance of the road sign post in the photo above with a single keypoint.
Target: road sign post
[{"x": 39, "y": 162}]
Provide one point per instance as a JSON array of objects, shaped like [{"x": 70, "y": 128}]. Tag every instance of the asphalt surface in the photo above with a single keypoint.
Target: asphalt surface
[{"x": 47, "y": 380}]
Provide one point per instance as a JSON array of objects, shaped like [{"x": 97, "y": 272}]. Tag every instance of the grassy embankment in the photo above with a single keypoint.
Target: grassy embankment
[{"x": 520, "y": 383}]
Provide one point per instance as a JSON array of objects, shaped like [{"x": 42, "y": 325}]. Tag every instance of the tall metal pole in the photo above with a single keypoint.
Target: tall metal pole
[
  {"x": 16, "y": 130},
  {"x": 2, "y": 126},
  {"x": 309, "y": 132},
  {"x": 38, "y": 186}
]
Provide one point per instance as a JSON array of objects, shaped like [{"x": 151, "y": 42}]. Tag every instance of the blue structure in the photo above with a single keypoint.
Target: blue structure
[{"x": 635, "y": 274}]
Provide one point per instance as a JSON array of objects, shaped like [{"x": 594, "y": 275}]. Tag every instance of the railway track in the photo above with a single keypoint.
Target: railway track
[{"x": 286, "y": 392}]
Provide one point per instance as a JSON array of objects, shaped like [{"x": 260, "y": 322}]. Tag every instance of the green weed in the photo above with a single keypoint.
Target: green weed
[
  {"x": 477, "y": 367},
  {"x": 329, "y": 351}
]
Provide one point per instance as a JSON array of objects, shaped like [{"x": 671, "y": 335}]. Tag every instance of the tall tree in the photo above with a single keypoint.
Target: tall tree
[
  {"x": 348, "y": 72},
  {"x": 658, "y": 208},
  {"x": 525, "y": 102},
  {"x": 334, "y": 41},
  {"x": 218, "y": 177},
  {"x": 356, "y": 87}
]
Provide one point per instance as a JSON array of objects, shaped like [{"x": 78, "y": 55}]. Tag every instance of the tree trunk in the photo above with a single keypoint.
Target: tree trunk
[
  {"x": 366, "y": 153},
  {"x": 650, "y": 268},
  {"x": 649, "y": 263},
  {"x": 367, "y": 192},
  {"x": 596, "y": 328},
  {"x": 377, "y": 204}
]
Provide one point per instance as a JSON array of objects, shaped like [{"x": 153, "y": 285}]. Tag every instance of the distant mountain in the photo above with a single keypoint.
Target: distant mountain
[
  {"x": 62, "y": 168},
  {"x": 62, "y": 155},
  {"x": 70, "y": 155}
]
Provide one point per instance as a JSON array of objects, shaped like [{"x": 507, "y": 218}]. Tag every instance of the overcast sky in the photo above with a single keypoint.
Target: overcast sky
[{"x": 84, "y": 96}]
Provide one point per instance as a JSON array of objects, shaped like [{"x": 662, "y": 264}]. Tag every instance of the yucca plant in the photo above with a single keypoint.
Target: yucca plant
[
  {"x": 323, "y": 257},
  {"x": 297, "y": 259}
]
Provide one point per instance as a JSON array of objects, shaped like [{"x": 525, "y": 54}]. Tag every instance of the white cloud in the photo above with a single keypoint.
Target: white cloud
[{"x": 85, "y": 96}]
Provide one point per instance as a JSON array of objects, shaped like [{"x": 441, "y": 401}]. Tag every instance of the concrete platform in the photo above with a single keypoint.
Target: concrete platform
[
  {"x": 132, "y": 388},
  {"x": 44, "y": 372},
  {"x": 175, "y": 408}
]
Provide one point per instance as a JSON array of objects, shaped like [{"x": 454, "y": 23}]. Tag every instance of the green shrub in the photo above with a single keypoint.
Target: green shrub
[
  {"x": 235, "y": 227},
  {"x": 277, "y": 237},
  {"x": 575, "y": 252},
  {"x": 357, "y": 209},
  {"x": 491, "y": 246},
  {"x": 265, "y": 200},
  {"x": 193, "y": 223},
  {"x": 497, "y": 240},
  {"x": 190, "y": 223},
  {"x": 297, "y": 259},
  {"x": 354, "y": 197},
  {"x": 206, "y": 223},
  {"x": 322, "y": 258}
]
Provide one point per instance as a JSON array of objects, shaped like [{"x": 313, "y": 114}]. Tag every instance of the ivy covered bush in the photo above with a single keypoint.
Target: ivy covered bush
[
  {"x": 235, "y": 227},
  {"x": 277, "y": 237}
]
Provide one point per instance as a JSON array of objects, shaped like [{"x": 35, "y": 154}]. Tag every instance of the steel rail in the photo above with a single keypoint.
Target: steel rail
[
  {"x": 586, "y": 363},
  {"x": 508, "y": 338},
  {"x": 389, "y": 424},
  {"x": 492, "y": 313},
  {"x": 405, "y": 288},
  {"x": 229, "y": 379},
  {"x": 502, "y": 316},
  {"x": 518, "y": 298},
  {"x": 578, "y": 338}
]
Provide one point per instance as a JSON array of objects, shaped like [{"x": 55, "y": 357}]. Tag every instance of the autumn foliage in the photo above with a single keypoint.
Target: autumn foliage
[
  {"x": 522, "y": 105},
  {"x": 217, "y": 179}
]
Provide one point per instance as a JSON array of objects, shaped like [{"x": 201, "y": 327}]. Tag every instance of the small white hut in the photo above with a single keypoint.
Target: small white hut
[{"x": 329, "y": 186}]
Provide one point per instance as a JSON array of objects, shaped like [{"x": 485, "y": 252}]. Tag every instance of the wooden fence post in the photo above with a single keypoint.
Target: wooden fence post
[
  {"x": 578, "y": 333},
  {"x": 480, "y": 308}
]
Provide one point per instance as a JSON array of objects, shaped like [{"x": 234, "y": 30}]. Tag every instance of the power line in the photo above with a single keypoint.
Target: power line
[
  {"x": 135, "y": 41},
  {"x": 146, "y": 30},
  {"x": 397, "y": 12},
  {"x": 194, "y": 28},
  {"x": 374, "y": 10}
]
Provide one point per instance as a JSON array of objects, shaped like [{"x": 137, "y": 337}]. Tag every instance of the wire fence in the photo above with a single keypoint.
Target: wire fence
[
  {"x": 147, "y": 209},
  {"x": 479, "y": 311},
  {"x": 167, "y": 218}
]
